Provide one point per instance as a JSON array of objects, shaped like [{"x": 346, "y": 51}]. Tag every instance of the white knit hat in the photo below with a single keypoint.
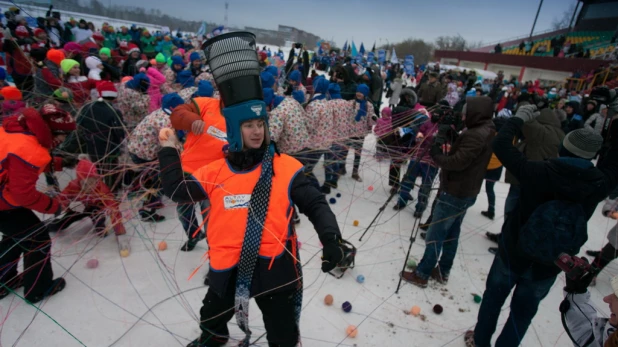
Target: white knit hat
[{"x": 614, "y": 282}]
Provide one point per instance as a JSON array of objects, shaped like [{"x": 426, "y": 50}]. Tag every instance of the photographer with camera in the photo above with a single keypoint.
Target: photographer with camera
[
  {"x": 558, "y": 197},
  {"x": 462, "y": 173}
]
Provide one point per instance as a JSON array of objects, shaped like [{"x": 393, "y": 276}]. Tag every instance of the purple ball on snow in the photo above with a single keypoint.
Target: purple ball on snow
[
  {"x": 346, "y": 307},
  {"x": 338, "y": 195},
  {"x": 332, "y": 200}
]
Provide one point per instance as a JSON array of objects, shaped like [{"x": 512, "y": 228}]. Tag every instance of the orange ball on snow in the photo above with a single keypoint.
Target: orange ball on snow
[
  {"x": 162, "y": 245},
  {"x": 351, "y": 331},
  {"x": 415, "y": 311},
  {"x": 328, "y": 300}
]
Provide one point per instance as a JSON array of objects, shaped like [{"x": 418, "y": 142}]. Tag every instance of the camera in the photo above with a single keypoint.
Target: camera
[
  {"x": 298, "y": 45},
  {"x": 575, "y": 267}
]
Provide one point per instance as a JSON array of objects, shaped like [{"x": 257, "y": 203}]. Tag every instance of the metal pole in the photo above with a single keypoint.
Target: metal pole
[
  {"x": 573, "y": 16},
  {"x": 536, "y": 17}
]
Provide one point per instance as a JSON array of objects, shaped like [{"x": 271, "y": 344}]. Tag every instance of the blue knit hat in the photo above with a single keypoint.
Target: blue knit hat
[
  {"x": 299, "y": 96},
  {"x": 320, "y": 85},
  {"x": 2, "y": 74},
  {"x": 334, "y": 91},
  {"x": 268, "y": 80},
  {"x": 273, "y": 70},
  {"x": 185, "y": 79},
  {"x": 140, "y": 82},
  {"x": 194, "y": 56},
  {"x": 278, "y": 100},
  {"x": 204, "y": 89},
  {"x": 170, "y": 101},
  {"x": 176, "y": 60},
  {"x": 269, "y": 95},
  {"x": 363, "y": 89},
  {"x": 294, "y": 76}
]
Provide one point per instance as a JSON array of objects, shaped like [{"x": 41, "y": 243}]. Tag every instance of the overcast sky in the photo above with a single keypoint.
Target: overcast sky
[{"x": 376, "y": 20}]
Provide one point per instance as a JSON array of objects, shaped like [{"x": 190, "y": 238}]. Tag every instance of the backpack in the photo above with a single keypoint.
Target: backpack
[{"x": 555, "y": 227}]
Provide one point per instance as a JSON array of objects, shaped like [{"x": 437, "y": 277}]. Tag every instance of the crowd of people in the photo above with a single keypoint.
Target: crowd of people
[{"x": 140, "y": 115}]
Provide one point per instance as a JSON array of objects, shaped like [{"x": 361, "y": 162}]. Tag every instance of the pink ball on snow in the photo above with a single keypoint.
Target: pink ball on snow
[
  {"x": 92, "y": 263},
  {"x": 370, "y": 188}
]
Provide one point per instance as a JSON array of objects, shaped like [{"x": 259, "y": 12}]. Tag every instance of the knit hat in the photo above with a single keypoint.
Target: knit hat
[
  {"x": 387, "y": 112},
  {"x": 204, "y": 89},
  {"x": 56, "y": 56},
  {"x": 268, "y": 80},
  {"x": 320, "y": 85},
  {"x": 363, "y": 89},
  {"x": 299, "y": 96},
  {"x": 97, "y": 36},
  {"x": 334, "y": 91},
  {"x": 269, "y": 96},
  {"x": 294, "y": 76},
  {"x": 38, "y": 54},
  {"x": 142, "y": 64},
  {"x": 583, "y": 143},
  {"x": 194, "y": 56},
  {"x": 126, "y": 79},
  {"x": 11, "y": 93},
  {"x": 185, "y": 79},
  {"x": 133, "y": 48},
  {"x": 107, "y": 89},
  {"x": 140, "y": 82},
  {"x": 614, "y": 283},
  {"x": 72, "y": 47},
  {"x": 170, "y": 101},
  {"x": 273, "y": 70},
  {"x": 39, "y": 31},
  {"x": 278, "y": 99},
  {"x": 105, "y": 51},
  {"x": 160, "y": 58},
  {"x": 86, "y": 169},
  {"x": 176, "y": 60},
  {"x": 21, "y": 31},
  {"x": 58, "y": 120},
  {"x": 602, "y": 107},
  {"x": 67, "y": 65},
  {"x": 63, "y": 95},
  {"x": 2, "y": 74}
]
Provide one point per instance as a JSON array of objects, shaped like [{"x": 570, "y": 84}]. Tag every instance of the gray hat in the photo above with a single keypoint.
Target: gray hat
[{"x": 584, "y": 143}]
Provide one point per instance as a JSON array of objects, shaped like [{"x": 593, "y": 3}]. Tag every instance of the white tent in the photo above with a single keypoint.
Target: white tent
[{"x": 483, "y": 73}]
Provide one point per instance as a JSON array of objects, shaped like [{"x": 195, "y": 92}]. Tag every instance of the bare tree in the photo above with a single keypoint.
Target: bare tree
[
  {"x": 421, "y": 50},
  {"x": 451, "y": 43},
  {"x": 563, "y": 21}
]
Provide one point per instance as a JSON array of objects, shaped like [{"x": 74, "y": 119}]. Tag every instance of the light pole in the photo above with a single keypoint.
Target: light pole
[{"x": 536, "y": 17}]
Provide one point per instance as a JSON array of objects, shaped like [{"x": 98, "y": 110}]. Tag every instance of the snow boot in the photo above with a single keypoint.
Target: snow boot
[
  {"x": 12, "y": 285},
  {"x": 150, "y": 216},
  {"x": 493, "y": 237},
  {"x": 488, "y": 214},
  {"x": 413, "y": 278},
  {"x": 469, "y": 338},
  {"x": 191, "y": 243},
  {"x": 57, "y": 286},
  {"x": 209, "y": 341},
  {"x": 295, "y": 217},
  {"x": 356, "y": 177},
  {"x": 418, "y": 214}
]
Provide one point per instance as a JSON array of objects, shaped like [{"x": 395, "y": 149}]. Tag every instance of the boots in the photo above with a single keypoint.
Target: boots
[
  {"x": 356, "y": 177},
  {"x": 13, "y": 285},
  {"x": 57, "y": 286},
  {"x": 150, "y": 216}
]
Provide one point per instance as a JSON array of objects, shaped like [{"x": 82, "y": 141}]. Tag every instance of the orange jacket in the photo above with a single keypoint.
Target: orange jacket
[
  {"x": 229, "y": 193},
  {"x": 22, "y": 160},
  {"x": 200, "y": 150}
]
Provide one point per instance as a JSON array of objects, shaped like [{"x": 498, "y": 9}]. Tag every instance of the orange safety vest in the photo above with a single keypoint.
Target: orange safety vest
[
  {"x": 229, "y": 193},
  {"x": 26, "y": 148},
  {"x": 200, "y": 150}
]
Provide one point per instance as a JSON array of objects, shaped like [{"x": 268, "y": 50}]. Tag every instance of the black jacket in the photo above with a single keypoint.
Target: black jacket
[
  {"x": 101, "y": 127},
  {"x": 310, "y": 201},
  {"x": 570, "y": 179}
]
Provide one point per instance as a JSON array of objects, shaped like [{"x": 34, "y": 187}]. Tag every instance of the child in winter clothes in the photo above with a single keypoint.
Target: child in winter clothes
[
  {"x": 171, "y": 83},
  {"x": 157, "y": 81},
  {"x": 79, "y": 85},
  {"x": 133, "y": 100},
  {"x": 49, "y": 77},
  {"x": 89, "y": 189},
  {"x": 12, "y": 103}
]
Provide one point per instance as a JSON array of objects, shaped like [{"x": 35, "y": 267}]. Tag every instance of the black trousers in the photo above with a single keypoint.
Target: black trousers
[
  {"x": 277, "y": 313},
  {"x": 23, "y": 233}
]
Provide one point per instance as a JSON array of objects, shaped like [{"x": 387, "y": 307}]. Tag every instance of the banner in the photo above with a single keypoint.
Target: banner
[
  {"x": 354, "y": 50},
  {"x": 370, "y": 58},
  {"x": 408, "y": 65},
  {"x": 381, "y": 56},
  {"x": 202, "y": 30},
  {"x": 394, "y": 59}
]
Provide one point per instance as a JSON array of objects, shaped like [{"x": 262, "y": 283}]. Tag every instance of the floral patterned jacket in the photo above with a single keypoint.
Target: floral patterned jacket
[{"x": 287, "y": 126}]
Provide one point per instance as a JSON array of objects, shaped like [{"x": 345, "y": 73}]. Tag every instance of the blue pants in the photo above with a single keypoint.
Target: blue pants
[
  {"x": 188, "y": 218},
  {"x": 309, "y": 158},
  {"x": 511, "y": 199},
  {"x": 524, "y": 304},
  {"x": 427, "y": 173},
  {"x": 491, "y": 177},
  {"x": 333, "y": 161},
  {"x": 443, "y": 235}
]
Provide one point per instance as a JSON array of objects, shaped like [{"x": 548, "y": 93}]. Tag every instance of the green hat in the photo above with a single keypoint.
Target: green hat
[
  {"x": 106, "y": 51},
  {"x": 160, "y": 58},
  {"x": 63, "y": 95},
  {"x": 169, "y": 61},
  {"x": 67, "y": 64}
]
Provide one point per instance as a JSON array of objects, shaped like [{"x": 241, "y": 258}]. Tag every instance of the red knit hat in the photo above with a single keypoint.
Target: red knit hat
[
  {"x": 86, "y": 169},
  {"x": 97, "y": 36},
  {"x": 133, "y": 48},
  {"x": 72, "y": 47},
  {"x": 56, "y": 56},
  {"x": 39, "y": 31},
  {"x": 21, "y": 31},
  {"x": 10, "y": 93},
  {"x": 58, "y": 120},
  {"x": 107, "y": 89}
]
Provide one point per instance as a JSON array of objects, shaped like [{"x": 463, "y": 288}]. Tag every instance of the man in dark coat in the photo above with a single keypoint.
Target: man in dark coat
[
  {"x": 431, "y": 92},
  {"x": 571, "y": 177},
  {"x": 461, "y": 177}
]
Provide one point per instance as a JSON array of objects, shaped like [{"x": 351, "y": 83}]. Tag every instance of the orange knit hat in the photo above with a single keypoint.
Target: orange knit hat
[
  {"x": 11, "y": 93},
  {"x": 55, "y": 56}
]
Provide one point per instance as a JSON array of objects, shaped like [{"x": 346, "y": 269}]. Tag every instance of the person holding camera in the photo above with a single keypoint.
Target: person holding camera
[
  {"x": 462, "y": 174},
  {"x": 567, "y": 188}
]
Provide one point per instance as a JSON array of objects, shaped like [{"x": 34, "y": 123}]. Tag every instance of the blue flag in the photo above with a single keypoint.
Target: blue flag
[
  {"x": 381, "y": 56},
  {"x": 354, "y": 50},
  {"x": 202, "y": 30},
  {"x": 361, "y": 51},
  {"x": 408, "y": 65}
]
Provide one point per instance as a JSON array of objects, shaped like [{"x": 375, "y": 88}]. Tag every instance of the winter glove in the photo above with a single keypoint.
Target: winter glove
[
  {"x": 527, "y": 113},
  {"x": 579, "y": 285},
  {"x": 167, "y": 138},
  {"x": 332, "y": 254}
]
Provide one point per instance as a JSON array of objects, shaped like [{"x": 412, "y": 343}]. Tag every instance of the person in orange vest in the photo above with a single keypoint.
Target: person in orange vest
[
  {"x": 25, "y": 144},
  {"x": 201, "y": 119},
  {"x": 251, "y": 237}
]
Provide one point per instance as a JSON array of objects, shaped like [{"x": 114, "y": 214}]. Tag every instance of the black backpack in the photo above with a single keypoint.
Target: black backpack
[{"x": 555, "y": 227}]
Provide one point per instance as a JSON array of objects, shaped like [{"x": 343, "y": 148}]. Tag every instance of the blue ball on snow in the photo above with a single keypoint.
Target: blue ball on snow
[
  {"x": 346, "y": 307},
  {"x": 360, "y": 279},
  {"x": 332, "y": 200},
  {"x": 338, "y": 195}
]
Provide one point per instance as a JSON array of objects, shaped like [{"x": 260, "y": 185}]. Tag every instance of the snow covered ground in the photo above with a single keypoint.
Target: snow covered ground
[{"x": 146, "y": 299}]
